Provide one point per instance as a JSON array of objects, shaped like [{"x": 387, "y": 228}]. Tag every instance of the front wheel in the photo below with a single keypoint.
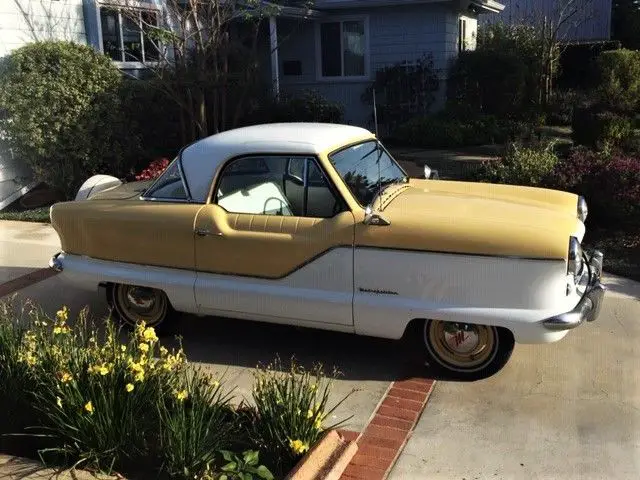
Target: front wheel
[
  {"x": 466, "y": 351},
  {"x": 133, "y": 304}
]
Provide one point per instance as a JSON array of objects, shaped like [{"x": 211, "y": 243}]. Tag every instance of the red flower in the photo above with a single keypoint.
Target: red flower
[{"x": 155, "y": 168}]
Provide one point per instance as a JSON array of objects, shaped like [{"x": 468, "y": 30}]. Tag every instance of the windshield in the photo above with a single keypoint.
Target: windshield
[{"x": 358, "y": 167}]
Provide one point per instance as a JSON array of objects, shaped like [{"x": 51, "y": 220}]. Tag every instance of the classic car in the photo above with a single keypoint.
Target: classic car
[{"x": 316, "y": 225}]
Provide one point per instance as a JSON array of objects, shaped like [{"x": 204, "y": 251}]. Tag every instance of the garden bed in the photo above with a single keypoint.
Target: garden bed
[{"x": 109, "y": 401}]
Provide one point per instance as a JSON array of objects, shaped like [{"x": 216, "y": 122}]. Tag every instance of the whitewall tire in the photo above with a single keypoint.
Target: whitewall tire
[
  {"x": 132, "y": 304},
  {"x": 466, "y": 351}
]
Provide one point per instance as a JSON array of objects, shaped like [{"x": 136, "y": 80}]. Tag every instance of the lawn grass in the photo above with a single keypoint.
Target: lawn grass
[{"x": 40, "y": 215}]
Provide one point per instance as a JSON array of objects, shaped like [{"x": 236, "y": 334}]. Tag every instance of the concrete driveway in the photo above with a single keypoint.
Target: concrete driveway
[{"x": 569, "y": 410}]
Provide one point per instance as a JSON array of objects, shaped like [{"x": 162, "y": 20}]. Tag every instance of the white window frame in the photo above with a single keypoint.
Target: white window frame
[
  {"x": 138, "y": 6},
  {"x": 367, "y": 49}
]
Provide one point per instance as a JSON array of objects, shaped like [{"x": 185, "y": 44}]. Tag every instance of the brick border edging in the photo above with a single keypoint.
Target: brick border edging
[
  {"x": 24, "y": 281},
  {"x": 389, "y": 429}
]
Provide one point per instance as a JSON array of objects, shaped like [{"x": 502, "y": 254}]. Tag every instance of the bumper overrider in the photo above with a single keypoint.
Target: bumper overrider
[
  {"x": 588, "y": 308},
  {"x": 55, "y": 262}
]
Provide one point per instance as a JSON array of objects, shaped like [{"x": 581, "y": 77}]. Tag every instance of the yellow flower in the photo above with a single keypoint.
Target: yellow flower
[
  {"x": 89, "y": 407},
  {"x": 123, "y": 348},
  {"x": 318, "y": 423},
  {"x": 144, "y": 347},
  {"x": 129, "y": 387},
  {"x": 63, "y": 315},
  {"x": 314, "y": 387},
  {"x": 139, "y": 376},
  {"x": 60, "y": 330},
  {"x": 298, "y": 446},
  {"x": 149, "y": 335},
  {"x": 59, "y": 402},
  {"x": 163, "y": 351},
  {"x": 66, "y": 377},
  {"x": 181, "y": 395},
  {"x": 103, "y": 370},
  {"x": 310, "y": 414}
]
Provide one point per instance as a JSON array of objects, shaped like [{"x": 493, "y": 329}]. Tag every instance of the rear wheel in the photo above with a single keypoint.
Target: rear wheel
[
  {"x": 464, "y": 350},
  {"x": 133, "y": 304}
]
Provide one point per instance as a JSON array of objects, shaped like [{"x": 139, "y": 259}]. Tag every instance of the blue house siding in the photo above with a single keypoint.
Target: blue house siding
[
  {"x": 591, "y": 23},
  {"x": 396, "y": 34}
]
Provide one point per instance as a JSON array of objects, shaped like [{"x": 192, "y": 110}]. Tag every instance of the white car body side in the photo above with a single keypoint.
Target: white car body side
[{"x": 366, "y": 291}]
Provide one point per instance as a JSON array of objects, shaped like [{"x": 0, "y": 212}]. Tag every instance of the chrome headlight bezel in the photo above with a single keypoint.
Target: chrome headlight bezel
[
  {"x": 582, "y": 208},
  {"x": 575, "y": 258}
]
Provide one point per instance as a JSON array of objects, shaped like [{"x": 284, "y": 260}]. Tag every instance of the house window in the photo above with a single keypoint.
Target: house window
[
  {"x": 462, "y": 35},
  {"x": 125, "y": 35},
  {"x": 343, "y": 49}
]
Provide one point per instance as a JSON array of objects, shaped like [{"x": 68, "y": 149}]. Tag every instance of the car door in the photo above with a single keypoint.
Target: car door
[{"x": 269, "y": 250}]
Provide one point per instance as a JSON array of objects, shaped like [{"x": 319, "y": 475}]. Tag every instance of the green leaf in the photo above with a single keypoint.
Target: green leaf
[
  {"x": 251, "y": 457},
  {"x": 224, "y": 476},
  {"x": 227, "y": 455},
  {"x": 230, "y": 467},
  {"x": 263, "y": 472}
]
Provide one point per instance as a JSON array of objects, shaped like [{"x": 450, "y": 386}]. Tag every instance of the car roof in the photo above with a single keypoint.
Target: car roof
[{"x": 201, "y": 159}]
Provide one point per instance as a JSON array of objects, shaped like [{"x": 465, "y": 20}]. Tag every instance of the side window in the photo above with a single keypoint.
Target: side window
[
  {"x": 169, "y": 185},
  {"x": 275, "y": 185},
  {"x": 321, "y": 200},
  {"x": 254, "y": 185}
]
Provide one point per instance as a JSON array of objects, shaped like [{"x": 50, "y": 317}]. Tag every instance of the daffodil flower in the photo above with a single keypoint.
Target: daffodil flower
[
  {"x": 129, "y": 387},
  {"x": 89, "y": 406}
]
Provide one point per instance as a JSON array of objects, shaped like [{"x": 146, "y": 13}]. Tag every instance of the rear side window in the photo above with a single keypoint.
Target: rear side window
[{"x": 170, "y": 185}]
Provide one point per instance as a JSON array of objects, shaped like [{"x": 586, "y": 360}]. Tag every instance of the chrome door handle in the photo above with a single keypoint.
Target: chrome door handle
[{"x": 203, "y": 233}]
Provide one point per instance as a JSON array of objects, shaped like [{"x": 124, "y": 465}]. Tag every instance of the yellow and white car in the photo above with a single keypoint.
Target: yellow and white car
[{"x": 316, "y": 225}]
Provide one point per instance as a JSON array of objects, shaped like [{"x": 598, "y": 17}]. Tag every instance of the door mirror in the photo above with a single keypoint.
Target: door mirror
[
  {"x": 427, "y": 171},
  {"x": 374, "y": 218}
]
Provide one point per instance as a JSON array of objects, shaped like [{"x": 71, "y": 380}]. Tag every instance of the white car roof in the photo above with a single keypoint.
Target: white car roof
[{"x": 201, "y": 159}]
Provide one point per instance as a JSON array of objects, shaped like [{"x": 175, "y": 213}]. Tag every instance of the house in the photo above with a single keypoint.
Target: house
[
  {"x": 335, "y": 47},
  {"x": 587, "y": 21},
  {"x": 25, "y": 21}
]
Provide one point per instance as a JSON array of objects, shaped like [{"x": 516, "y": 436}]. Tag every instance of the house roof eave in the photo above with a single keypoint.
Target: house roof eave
[{"x": 488, "y": 6}]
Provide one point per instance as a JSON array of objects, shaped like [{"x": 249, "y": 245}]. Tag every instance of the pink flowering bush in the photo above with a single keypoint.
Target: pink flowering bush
[
  {"x": 154, "y": 169},
  {"x": 609, "y": 181}
]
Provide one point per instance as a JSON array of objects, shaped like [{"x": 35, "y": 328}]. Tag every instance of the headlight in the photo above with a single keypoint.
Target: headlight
[
  {"x": 575, "y": 257},
  {"x": 582, "y": 209}
]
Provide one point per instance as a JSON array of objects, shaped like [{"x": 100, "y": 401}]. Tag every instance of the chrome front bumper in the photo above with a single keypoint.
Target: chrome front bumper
[{"x": 589, "y": 306}]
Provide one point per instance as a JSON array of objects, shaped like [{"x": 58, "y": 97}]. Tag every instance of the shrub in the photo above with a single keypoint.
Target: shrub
[
  {"x": 303, "y": 106},
  {"x": 64, "y": 114},
  {"x": 529, "y": 166},
  {"x": 403, "y": 90},
  {"x": 609, "y": 181},
  {"x": 619, "y": 76},
  {"x": 291, "y": 407},
  {"x": 561, "y": 106},
  {"x": 444, "y": 131},
  {"x": 597, "y": 128},
  {"x": 154, "y": 169}
]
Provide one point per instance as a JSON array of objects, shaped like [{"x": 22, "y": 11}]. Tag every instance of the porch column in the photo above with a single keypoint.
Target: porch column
[{"x": 275, "y": 72}]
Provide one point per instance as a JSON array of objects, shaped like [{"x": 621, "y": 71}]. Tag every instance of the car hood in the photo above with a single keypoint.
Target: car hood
[{"x": 479, "y": 218}]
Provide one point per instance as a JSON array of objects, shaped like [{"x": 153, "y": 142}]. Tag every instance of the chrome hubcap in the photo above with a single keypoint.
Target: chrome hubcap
[
  {"x": 141, "y": 298},
  {"x": 461, "y": 346},
  {"x": 461, "y": 338},
  {"x": 135, "y": 304}
]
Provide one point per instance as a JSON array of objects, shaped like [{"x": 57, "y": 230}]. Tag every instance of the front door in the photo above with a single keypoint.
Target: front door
[{"x": 275, "y": 244}]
